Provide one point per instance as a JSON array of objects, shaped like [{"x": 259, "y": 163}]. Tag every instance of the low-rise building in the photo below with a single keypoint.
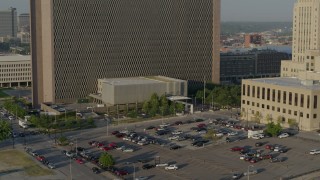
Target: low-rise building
[{"x": 15, "y": 71}]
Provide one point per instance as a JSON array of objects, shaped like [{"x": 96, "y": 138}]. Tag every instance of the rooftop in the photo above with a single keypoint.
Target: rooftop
[
  {"x": 287, "y": 81},
  {"x": 14, "y": 57},
  {"x": 140, "y": 80}
]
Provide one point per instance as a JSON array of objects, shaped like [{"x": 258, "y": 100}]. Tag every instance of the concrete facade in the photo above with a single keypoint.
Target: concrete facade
[
  {"x": 15, "y": 71},
  {"x": 295, "y": 95},
  {"x": 8, "y": 25},
  {"x": 75, "y": 42},
  {"x": 138, "y": 89}
]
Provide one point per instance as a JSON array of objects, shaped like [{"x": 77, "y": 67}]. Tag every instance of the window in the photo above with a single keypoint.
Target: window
[
  {"x": 258, "y": 92},
  {"x": 268, "y": 93},
  {"x": 290, "y": 98},
  {"x": 243, "y": 89},
  {"x": 301, "y": 114},
  {"x": 253, "y": 91},
  {"x": 243, "y": 101},
  {"x": 315, "y": 102},
  {"x": 268, "y": 107},
  {"x": 295, "y": 113},
  {"x": 248, "y": 102},
  {"x": 284, "y": 97},
  {"x": 252, "y": 103},
  {"x": 248, "y": 90},
  {"x": 283, "y": 110},
  {"x": 296, "y": 99},
  {"x": 278, "y": 109},
  {"x": 263, "y": 92},
  {"x": 314, "y": 116},
  {"x": 289, "y": 111},
  {"x": 258, "y": 104},
  {"x": 308, "y": 116},
  {"x": 308, "y": 101},
  {"x": 272, "y": 108},
  {"x": 273, "y": 95},
  {"x": 279, "y": 96},
  {"x": 301, "y": 100},
  {"x": 262, "y": 105}
]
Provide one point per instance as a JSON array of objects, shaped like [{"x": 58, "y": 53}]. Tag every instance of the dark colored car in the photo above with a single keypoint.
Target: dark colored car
[
  {"x": 202, "y": 125},
  {"x": 277, "y": 160},
  {"x": 95, "y": 170},
  {"x": 115, "y": 132},
  {"x": 178, "y": 123},
  {"x": 120, "y": 135},
  {"x": 143, "y": 160},
  {"x": 64, "y": 152},
  {"x": 244, "y": 151},
  {"x": 147, "y": 166},
  {"x": 283, "y": 150},
  {"x": 199, "y": 144},
  {"x": 199, "y": 120},
  {"x": 121, "y": 172},
  {"x": 150, "y": 127},
  {"x": 91, "y": 142},
  {"x": 254, "y": 160},
  {"x": 79, "y": 149},
  {"x": 236, "y": 148},
  {"x": 175, "y": 147},
  {"x": 22, "y": 134},
  {"x": 258, "y": 144}
]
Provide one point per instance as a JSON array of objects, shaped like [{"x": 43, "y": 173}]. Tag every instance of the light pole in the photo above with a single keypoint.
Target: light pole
[{"x": 248, "y": 171}]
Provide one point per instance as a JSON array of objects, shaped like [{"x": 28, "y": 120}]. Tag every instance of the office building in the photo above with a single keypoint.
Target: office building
[
  {"x": 8, "y": 23},
  {"x": 115, "y": 91},
  {"x": 24, "y": 22},
  {"x": 294, "y": 96},
  {"x": 15, "y": 71},
  {"x": 76, "y": 42},
  {"x": 251, "y": 64},
  {"x": 252, "y": 40}
]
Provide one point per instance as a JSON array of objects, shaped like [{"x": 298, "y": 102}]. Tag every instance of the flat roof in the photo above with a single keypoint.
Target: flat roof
[
  {"x": 286, "y": 81},
  {"x": 139, "y": 80},
  {"x": 14, "y": 58}
]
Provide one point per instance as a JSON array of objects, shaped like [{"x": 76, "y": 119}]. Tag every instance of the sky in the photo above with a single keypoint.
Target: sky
[{"x": 231, "y": 10}]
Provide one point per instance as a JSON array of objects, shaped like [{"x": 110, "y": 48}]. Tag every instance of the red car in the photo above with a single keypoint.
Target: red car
[
  {"x": 112, "y": 145},
  {"x": 99, "y": 145},
  {"x": 121, "y": 172},
  {"x": 201, "y": 125},
  {"x": 79, "y": 161},
  {"x": 115, "y": 132},
  {"x": 269, "y": 147},
  {"x": 254, "y": 160},
  {"x": 237, "y": 148},
  {"x": 105, "y": 148},
  {"x": 266, "y": 156},
  {"x": 40, "y": 158}
]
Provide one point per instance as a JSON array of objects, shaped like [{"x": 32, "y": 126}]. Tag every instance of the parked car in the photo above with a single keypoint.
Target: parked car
[
  {"x": 314, "y": 151},
  {"x": 115, "y": 132},
  {"x": 79, "y": 161},
  {"x": 142, "y": 178},
  {"x": 150, "y": 127},
  {"x": 40, "y": 158},
  {"x": 280, "y": 159},
  {"x": 35, "y": 154},
  {"x": 175, "y": 147},
  {"x": 237, "y": 148},
  {"x": 51, "y": 166},
  {"x": 178, "y": 123},
  {"x": 95, "y": 170},
  {"x": 162, "y": 165},
  {"x": 254, "y": 160},
  {"x": 283, "y": 135},
  {"x": 269, "y": 146},
  {"x": 258, "y": 144},
  {"x": 105, "y": 148},
  {"x": 121, "y": 172},
  {"x": 266, "y": 156},
  {"x": 147, "y": 166},
  {"x": 176, "y": 132},
  {"x": 233, "y": 133},
  {"x": 128, "y": 150},
  {"x": 237, "y": 175},
  {"x": 251, "y": 172},
  {"x": 171, "y": 167},
  {"x": 173, "y": 137}
]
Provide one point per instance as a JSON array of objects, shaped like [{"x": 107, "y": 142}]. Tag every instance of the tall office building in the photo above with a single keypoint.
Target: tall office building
[
  {"x": 76, "y": 42},
  {"x": 24, "y": 22},
  {"x": 8, "y": 23},
  {"x": 292, "y": 99}
]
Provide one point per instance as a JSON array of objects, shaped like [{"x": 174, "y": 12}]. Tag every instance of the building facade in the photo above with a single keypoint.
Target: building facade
[
  {"x": 115, "y": 91},
  {"x": 291, "y": 99},
  {"x": 252, "y": 40},
  {"x": 76, "y": 42},
  {"x": 24, "y": 22},
  {"x": 8, "y": 25},
  {"x": 251, "y": 64},
  {"x": 15, "y": 71}
]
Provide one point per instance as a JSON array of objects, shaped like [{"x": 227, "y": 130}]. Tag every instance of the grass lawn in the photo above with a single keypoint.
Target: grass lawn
[{"x": 13, "y": 159}]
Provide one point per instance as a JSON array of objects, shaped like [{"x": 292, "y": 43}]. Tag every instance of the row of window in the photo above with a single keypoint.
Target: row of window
[
  {"x": 15, "y": 74},
  {"x": 277, "y": 109},
  {"x": 15, "y": 79},
  {"x": 279, "y": 96},
  {"x": 14, "y": 65}
]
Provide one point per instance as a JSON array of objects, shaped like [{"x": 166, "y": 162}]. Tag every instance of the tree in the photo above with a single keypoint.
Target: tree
[
  {"x": 179, "y": 107},
  {"x": 164, "y": 105},
  {"x": 146, "y": 107},
  {"x": 269, "y": 118},
  {"x": 154, "y": 104},
  {"x": 106, "y": 160},
  {"x": 211, "y": 135},
  {"x": 5, "y": 130},
  {"x": 273, "y": 129},
  {"x": 257, "y": 117},
  {"x": 279, "y": 120},
  {"x": 292, "y": 123}
]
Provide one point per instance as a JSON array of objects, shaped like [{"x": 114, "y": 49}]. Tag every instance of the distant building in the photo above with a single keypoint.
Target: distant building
[
  {"x": 8, "y": 23},
  {"x": 113, "y": 91},
  {"x": 15, "y": 71},
  {"x": 24, "y": 37},
  {"x": 24, "y": 22},
  {"x": 76, "y": 42},
  {"x": 251, "y": 64},
  {"x": 292, "y": 99},
  {"x": 252, "y": 40}
]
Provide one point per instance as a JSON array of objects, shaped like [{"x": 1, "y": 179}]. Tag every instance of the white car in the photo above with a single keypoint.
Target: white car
[
  {"x": 171, "y": 167},
  {"x": 128, "y": 150},
  {"x": 219, "y": 134},
  {"x": 142, "y": 143},
  {"x": 70, "y": 154},
  {"x": 283, "y": 135},
  {"x": 162, "y": 165},
  {"x": 257, "y": 136},
  {"x": 51, "y": 166},
  {"x": 202, "y": 132},
  {"x": 314, "y": 151},
  {"x": 164, "y": 125},
  {"x": 233, "y": 133},
  {"x": 250, "y": 172},
  {"x": 173, "y": 137},
  {"x": 11, "y": 118},
  {"x": 120, "y": 148},
  {"x": 177, "y": 132},
  {"x": 242, "y": 157}
]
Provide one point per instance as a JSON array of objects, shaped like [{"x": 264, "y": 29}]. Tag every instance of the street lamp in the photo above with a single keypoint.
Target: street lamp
[{"x": 250, "y": 166}]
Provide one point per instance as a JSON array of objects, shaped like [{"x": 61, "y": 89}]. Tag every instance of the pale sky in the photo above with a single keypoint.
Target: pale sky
[{"x": 231, "y": 10}]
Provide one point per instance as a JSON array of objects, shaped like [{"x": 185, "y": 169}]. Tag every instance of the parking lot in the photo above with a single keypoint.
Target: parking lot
[{"x": 211, "y": 160}]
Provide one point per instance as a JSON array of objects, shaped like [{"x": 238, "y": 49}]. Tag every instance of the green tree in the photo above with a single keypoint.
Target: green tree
[
  {"x": 5, "y": 130},
  {"x": 106, "y": 160},
  {"x": 273, "y": 129},
  {"x": 211, "y": 135},
  {"x": 164, "y": 105},
  {"x": 179, "y": 107},
  {"x": 292, "y": 123},
  {"x": 146, "y": 107},
  {"x": 269, "y": 118},
  {"x": 279, "y": 120},
  {"x": 154, "y": 104},
  {"x": 257, "y": 117}
]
